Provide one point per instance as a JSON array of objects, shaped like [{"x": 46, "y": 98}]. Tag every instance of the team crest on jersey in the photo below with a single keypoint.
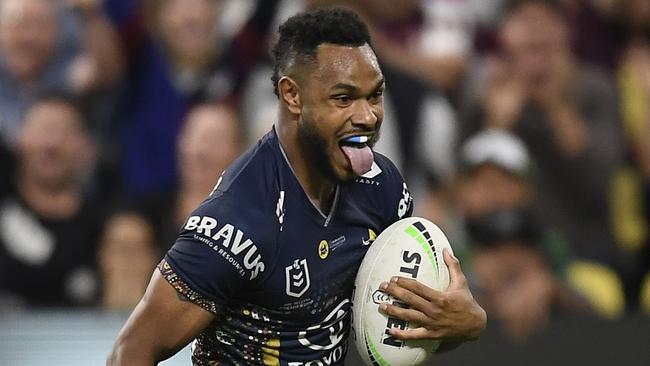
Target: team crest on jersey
[{"x": 297, "y": 278}]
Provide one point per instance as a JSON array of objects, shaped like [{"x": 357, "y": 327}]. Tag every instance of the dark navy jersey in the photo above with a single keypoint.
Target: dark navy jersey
[{"x": 276, "y": 272}]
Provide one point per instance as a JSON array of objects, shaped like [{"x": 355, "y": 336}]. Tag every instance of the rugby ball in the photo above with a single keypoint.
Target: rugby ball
[{"x": 411, "y": 248}]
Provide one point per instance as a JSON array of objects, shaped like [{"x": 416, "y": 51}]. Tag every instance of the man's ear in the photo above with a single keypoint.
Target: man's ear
[{"x": 289, "y": 92}]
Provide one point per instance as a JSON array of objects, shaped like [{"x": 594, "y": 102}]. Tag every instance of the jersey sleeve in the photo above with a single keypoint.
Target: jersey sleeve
[
  {"x": 398, "y": 202},
  {"x": 216, "y": 254}
]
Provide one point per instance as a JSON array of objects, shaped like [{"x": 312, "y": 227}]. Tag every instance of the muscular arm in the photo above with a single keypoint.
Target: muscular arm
[{"x": 161, "y": 324}]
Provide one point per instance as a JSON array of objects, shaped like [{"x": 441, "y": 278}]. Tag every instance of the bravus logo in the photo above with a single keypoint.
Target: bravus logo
[{"x": 231, "y": 238}]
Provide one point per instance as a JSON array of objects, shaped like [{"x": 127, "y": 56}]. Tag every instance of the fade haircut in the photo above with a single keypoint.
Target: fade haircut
[{"x": 301, "y": 34}]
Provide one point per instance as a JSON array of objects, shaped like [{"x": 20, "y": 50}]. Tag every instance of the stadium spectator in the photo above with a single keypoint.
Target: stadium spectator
[
  {"x": 566, "y": 114},
  {"x": 49, "y": 227},
  {"x": 183, "y": 61},
  {"x": 209, "y": 141},
  {"x": 427, "y": 39},
  {"x": 127, "y": 255},
  {"x": 200, "y": 160},
  {"x": 519, "y": 264},
  {"x": 43, "y": 45}
]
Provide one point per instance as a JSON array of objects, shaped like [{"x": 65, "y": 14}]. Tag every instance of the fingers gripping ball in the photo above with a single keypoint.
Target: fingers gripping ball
[{"x": 411, "y": 248}]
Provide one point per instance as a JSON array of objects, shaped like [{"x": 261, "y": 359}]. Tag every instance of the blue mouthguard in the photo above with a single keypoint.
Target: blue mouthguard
[{"x": 357, "y": 139}]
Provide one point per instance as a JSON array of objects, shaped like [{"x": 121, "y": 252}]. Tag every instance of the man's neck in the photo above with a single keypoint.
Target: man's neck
[
  {"x": 53, "y": 202},
  {"x": 319, "y": 189}
]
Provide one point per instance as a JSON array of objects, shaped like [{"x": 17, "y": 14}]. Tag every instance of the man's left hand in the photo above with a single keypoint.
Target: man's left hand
[{"x": 451, "y": 315}]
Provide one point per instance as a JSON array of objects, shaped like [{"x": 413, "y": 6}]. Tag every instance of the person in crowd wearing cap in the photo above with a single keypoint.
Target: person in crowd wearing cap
[
  {"x": 519, "y": 265},
  {"x": 566, "y": 115}
]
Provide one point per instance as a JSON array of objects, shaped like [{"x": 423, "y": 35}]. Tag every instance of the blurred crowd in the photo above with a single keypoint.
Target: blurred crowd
[{"x": 522, "y": 127}]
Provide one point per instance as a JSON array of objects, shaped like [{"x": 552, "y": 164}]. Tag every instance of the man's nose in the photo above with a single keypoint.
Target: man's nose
[{"x": 364, "y": 115}]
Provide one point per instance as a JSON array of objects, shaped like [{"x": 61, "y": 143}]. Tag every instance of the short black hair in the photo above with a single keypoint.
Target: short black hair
[{"x": 301, "y": 34}]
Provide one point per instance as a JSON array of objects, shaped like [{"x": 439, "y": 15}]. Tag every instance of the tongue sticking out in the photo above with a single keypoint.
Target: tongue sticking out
[{"x": 360, "y": 158}]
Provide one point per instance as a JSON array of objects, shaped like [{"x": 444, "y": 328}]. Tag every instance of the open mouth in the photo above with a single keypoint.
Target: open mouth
[
  {"x": 357, "y": 150},
  {"x": 358, "y": 141}
]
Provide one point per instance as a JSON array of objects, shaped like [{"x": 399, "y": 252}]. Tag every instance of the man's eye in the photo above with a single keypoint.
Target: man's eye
[
  {"x": 375, "y": 97},
  {"x": 342, "y": 100}
]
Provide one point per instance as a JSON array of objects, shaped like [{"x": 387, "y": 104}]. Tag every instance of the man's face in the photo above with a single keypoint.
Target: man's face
[
  {"x": 200, "y": 159},
  {"x": 27, "y": 36},
  {"x": 533, "y": 36},
  {"x": 189, "y": 27},
  {"x": 341, "y": 97},
  {"x": 53, "y": 145}
]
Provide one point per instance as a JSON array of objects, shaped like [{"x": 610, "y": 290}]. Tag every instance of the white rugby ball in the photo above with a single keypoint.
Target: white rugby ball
[{"x": 411, "y": 248}]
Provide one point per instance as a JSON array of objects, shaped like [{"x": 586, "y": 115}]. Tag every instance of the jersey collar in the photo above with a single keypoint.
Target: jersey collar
[{"x": 337, "y": 193}]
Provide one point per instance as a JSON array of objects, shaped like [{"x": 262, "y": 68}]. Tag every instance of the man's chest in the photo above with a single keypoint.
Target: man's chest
[{"x": 314, "y": 266}]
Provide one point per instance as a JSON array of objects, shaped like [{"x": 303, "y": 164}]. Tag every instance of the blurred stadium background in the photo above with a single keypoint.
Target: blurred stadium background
[{"x": 522, "y": 127}]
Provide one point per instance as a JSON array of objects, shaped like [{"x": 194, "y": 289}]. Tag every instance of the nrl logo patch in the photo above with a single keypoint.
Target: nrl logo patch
[{"x": 297, "y": 278}]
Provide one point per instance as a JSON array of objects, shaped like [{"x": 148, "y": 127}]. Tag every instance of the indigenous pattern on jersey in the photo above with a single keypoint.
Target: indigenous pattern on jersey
[{"x": 276, "y": 272}]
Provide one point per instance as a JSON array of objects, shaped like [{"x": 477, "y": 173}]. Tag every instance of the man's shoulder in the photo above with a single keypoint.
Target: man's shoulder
[
  {"x": 244, "y": 196},
  {"x": 252, "y": 175}
]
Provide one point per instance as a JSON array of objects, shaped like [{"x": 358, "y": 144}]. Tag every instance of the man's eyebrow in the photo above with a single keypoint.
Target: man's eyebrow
[
  {"x": 352, "y": 88},
  {"x": 348, "y": 87},
  {"x": 380, "y": 84}
]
